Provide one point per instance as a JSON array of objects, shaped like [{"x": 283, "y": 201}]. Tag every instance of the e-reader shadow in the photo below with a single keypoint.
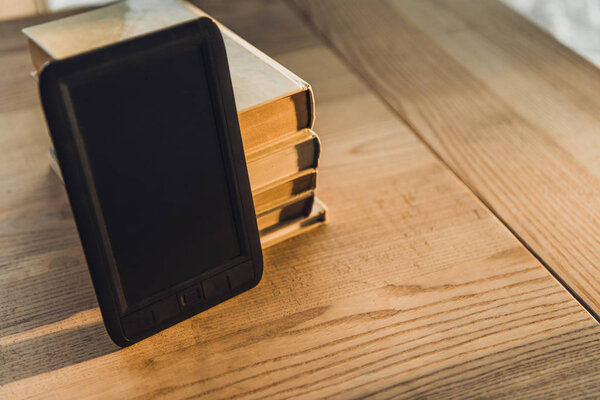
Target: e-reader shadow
[
  {"x": 53, "y": 351},
  {"x": 56, "y": 291}
]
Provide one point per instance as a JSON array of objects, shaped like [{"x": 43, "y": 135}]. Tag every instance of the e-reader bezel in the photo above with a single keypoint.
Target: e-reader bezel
[{"x": 246, "y": 271}]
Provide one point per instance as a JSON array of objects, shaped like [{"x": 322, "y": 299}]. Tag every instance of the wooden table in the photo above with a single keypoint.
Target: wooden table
[{"x": 461, "y": 165}]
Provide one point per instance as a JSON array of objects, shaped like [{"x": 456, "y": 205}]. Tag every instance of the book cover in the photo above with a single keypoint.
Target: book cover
[{"x": 271, "y": 101}]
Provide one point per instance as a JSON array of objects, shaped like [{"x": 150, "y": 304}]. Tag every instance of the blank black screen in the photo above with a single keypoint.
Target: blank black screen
[{"x": 154, "y": 152}]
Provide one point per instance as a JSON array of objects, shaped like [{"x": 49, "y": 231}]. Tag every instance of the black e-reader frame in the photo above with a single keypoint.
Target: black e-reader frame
[{"x": 147, "y": 137}]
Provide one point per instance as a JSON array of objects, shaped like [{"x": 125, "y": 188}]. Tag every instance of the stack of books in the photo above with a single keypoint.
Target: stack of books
[{"x": 275, "y": 107}]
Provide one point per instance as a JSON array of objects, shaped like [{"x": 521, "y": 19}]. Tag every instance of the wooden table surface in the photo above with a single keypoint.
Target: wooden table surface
[{"x": 461, "y": 165}]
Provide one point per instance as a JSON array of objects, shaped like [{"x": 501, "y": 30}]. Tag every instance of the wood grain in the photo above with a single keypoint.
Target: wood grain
[
  {"x": 513, "y": 113},
  {"x": 414, "y": 289}
]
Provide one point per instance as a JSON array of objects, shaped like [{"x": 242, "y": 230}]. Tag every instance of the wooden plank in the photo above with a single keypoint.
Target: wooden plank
[
  {"x": 17, "y": 8},
  {"x": 510, "y": 110},
  {"x": 413, "y": 289}
]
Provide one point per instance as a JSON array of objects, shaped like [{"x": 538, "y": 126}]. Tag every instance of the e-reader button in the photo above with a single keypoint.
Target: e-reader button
[
  {"x": 190, "y": 297},
  {"x": 216, "y": 287},
  {"x": 240, "y": 275},
  {"x": 165, "y": 309},
  {"x": 138, "y": 322}
]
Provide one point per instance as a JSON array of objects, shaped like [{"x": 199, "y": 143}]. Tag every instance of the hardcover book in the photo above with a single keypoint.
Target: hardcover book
[{"x": 275, "y": 107}]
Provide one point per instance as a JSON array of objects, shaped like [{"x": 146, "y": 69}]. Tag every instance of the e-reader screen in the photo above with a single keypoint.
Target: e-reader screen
[{"x": 158, "y": 169}]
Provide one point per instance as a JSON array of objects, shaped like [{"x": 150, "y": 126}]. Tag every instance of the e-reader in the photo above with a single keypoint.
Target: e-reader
[{"x": 147, "y": 137}]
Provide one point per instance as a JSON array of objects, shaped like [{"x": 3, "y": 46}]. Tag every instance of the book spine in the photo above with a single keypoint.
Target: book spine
[
  {"x": 280, "y": 232},
  {"x": 311, "y": 107},
  {"x": 299, "y": 208},
  {"x": 284, "y": 191}
]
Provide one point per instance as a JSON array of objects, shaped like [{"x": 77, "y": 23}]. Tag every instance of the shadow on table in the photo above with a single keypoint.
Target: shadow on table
[
  {"x": 51, "y": 352},
  {"x": 47, "y": 301}
]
